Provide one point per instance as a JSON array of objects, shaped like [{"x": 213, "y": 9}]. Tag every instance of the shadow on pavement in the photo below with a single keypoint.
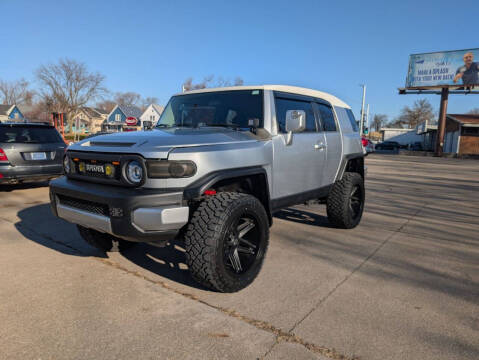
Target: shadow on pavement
[
  {"x": 303, "y": 217},
  {"x": 168, "y": 262},
  {"x": 24, "y": 186},
  {"x": 38, "y": 224}
]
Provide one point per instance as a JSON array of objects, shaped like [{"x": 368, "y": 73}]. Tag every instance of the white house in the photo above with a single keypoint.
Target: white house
[
  {"x": 402, "y": 136},
  {"x": 151, "y": 115}
]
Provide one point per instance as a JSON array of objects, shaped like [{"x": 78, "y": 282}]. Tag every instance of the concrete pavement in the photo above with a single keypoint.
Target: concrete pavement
[{"x": 403, "y": 285}]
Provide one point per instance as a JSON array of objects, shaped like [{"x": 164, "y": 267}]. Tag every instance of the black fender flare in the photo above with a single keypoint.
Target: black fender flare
[{"x": 198, "y": 187}]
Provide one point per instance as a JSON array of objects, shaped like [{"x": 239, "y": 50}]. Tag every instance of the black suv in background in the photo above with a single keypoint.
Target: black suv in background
[
  {"x": 388, "y": 145},
  {"x": 30, "y": 152}
]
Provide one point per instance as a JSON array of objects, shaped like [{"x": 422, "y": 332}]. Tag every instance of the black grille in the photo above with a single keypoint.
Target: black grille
[{"x": 84, "y": 205}]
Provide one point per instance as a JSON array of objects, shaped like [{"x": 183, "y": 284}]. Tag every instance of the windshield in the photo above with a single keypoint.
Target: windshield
[
  {"x": 223, "y": 108},
  {"x": 29, "y": 134}
]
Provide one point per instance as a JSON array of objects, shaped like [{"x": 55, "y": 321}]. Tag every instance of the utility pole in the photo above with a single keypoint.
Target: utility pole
[
  {"x": 361, "y": 122},
  {"x": 367, "y": 119}
]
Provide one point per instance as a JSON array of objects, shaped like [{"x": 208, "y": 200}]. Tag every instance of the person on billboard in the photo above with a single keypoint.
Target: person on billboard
[{"x": 469, "y": 72}]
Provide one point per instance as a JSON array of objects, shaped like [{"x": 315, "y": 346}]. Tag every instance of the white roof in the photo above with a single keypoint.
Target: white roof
[
  {"x": 284, "y": 88},
  {"x": 158, "y": 108}
]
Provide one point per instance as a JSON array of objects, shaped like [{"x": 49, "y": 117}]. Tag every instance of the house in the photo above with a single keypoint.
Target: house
[
  {"x": 428, "y": 132},
  {"x": 90, "y": 120},
  {"x": 116, "y": 119},
  {"x": 402, "y": 136},
  {"x": 151, "y": 115},
  {"x": 462, "y": 134},
  {"x": 11, "y": 113}
]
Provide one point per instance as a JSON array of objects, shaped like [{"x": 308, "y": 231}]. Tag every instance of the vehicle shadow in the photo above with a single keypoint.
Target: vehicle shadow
[
  {"x": 168, "y": 262},
  {"x": 38, "y": 224},
  {"x": 303, "y": 217},
  {"x": 22, "y": 186}
]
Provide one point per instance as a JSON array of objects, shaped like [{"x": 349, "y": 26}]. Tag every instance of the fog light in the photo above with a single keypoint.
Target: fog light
[
  {"x": 81, "y": 167},
  {"x": 109, "y": 170}
]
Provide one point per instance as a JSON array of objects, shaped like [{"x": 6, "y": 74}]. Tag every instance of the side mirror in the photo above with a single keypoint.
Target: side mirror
[{"x": 295, "y": 122}]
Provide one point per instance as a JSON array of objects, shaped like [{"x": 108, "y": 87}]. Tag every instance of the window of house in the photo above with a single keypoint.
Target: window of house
[
  {"x": 470, "y": 131},
  {"x": 327, "y": 117},
  {"x": 117, "y": 117},
  {"x": 283, "y": 105}
]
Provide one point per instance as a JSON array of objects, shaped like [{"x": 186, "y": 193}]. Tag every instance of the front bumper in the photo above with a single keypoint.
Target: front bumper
[
  {"x": 17, "y": 174},
  {"x": 141, "y": 215}
]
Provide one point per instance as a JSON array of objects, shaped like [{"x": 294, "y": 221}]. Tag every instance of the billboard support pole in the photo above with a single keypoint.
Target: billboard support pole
[{"x": 441, "y": 129}]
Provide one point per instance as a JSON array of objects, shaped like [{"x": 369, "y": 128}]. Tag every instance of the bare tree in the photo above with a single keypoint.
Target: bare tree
[
  {"x": 16, "y": 92},
  {"x": 421, "y": 111},
  {"x": 106, "y": 105},
  {"x": 69, "y": 85},
  {"x": 128, "y": 98},
  {"x": 379, "y": 120},
  {"x": 238, "y": 81},
  {"x": 474, "y": 111},
  {"x": 221, "y": 82},
  {"x": 145, "y": 102},
  {"x": 208, "y": 80}
]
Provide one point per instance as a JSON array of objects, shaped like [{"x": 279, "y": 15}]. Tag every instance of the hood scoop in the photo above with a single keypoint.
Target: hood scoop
[{"x": 111, "y": 144}]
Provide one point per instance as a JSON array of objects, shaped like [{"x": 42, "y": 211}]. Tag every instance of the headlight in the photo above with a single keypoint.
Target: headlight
[
  {"x": 66, "y": 165},
  {"x": 170, "y": 169},
  {"x": 134, "y": 172}
]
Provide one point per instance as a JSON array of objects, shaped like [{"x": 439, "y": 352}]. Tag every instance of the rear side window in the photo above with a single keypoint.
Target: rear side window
[
  {"x": 327, "y": 117},
  {"x": 352, "y": 120},
  {"x": 283, "y": 105},
  {"x": 29, "y": 135}
]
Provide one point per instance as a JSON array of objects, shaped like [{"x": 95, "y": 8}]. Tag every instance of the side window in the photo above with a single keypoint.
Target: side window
[
  {"x": 283, "y": 105},
  {"x": 352, "y": 120},
  {"x": 327, "y": 117}
]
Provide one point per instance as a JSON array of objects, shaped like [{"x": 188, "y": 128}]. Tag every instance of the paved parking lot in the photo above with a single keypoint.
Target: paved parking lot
[{"x": 403, "y": 285}]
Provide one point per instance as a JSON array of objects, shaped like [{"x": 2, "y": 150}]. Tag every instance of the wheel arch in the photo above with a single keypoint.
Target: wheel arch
[
  {"x": 351, "y": 163},
  {"x": 251, "y": 180}
]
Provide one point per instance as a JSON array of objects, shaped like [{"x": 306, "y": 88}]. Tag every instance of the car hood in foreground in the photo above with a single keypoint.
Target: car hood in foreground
[{"x": 158, "y": 143}]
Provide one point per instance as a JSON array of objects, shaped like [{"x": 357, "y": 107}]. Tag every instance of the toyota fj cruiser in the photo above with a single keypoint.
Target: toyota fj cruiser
[{"x": 216, "y": 167}]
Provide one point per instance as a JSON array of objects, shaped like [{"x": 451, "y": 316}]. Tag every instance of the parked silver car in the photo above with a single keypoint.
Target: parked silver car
[
  {"x": 218, "y": 165},
  {"x": 30, "y": 152}
]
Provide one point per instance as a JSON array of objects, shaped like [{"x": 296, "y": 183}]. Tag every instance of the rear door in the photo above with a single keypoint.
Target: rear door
[
  {"x": 333, "y": 141},
  {"x": 27, "y": 145},
  {"x": 297, "y": 168}
]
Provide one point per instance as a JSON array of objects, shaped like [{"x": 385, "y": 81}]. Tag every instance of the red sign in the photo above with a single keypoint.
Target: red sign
[{"x": 131, "y": 120}]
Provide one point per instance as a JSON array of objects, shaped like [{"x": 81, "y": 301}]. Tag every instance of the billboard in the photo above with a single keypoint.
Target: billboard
[{"x": 448, "y": 68}]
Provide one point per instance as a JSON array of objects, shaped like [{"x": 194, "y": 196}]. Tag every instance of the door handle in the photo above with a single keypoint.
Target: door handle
[{"x": 319, "y": 146}]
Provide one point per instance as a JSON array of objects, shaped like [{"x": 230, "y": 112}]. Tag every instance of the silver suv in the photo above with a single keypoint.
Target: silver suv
[{"x": 216, "y": 167}]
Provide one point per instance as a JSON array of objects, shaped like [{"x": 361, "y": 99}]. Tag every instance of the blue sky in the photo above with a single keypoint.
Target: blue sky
[{"x": 151, "y": 47}]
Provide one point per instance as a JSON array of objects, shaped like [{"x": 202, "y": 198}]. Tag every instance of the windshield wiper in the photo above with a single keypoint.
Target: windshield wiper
[
  {"x": 232, "y": 126},
  {"x": 165, "y": 126}
]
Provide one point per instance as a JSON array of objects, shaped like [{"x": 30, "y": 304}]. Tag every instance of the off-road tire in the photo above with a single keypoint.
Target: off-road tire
[
  {"x": 337, "y": 205},
  {"x": 104, "y": 242},
  {"x": 206, "y": 240}
]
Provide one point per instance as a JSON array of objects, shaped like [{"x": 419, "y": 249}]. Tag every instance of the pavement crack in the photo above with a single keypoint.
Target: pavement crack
[{"x": 280, "y": 335}]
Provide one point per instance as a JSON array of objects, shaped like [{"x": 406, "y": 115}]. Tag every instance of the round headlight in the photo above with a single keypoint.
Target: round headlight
[
  {"x": 134, "y": 172},
  {"x": 66, "y": 165}
]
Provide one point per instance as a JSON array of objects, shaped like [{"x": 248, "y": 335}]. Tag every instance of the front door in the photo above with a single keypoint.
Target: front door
[{"x": 297, "y": 167}]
